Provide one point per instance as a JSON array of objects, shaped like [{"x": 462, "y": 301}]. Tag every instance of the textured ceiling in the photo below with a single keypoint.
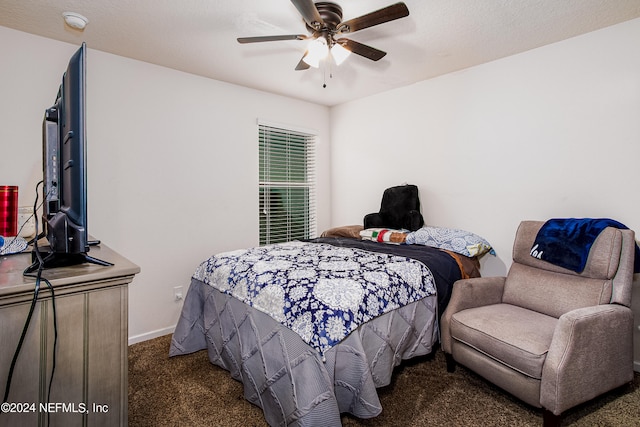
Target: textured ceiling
[{"x": 199, "y": 37}]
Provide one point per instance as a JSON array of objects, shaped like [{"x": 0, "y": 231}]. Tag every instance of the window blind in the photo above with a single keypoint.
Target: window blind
[{"x": 287, "y": 185}]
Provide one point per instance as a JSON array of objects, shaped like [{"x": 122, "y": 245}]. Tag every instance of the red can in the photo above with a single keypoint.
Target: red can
[{"x": 8, "y": 210}]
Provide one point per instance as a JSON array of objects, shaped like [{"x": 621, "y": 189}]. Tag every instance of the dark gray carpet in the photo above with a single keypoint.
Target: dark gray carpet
[{"x": 189, "y": 391}]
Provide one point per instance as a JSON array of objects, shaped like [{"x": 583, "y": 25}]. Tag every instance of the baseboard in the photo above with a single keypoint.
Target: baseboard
[
  {"x": 151, "y": 335},
  {"x": 636, "y": 365}
]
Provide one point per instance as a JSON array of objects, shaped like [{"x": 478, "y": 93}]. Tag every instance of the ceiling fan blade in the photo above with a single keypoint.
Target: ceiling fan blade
[
  {"x": 302, "y": 65},
  {"x": 258, "y": 39},
  {"x": 309, "y": 13},
  {"x": 389, "y": 13},
  {"x": 362, "y": 49}
]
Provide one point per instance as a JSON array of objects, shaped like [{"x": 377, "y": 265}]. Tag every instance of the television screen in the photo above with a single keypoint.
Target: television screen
[
  {"x": 67, "y": 228},
  {"x": 65, "y": 171}
]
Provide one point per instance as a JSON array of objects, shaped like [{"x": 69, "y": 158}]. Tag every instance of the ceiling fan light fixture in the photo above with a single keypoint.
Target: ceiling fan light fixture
[
  {"x": 316, "y": 51},
  {"x": 311, "y": 60},
  {"x": 339, "y": 53}
]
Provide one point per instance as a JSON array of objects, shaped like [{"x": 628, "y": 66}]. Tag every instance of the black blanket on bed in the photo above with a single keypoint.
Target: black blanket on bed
[{"x": 444, "y": 268}]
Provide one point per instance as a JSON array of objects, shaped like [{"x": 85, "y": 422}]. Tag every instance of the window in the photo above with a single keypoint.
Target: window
[{"x": 287, "y": 185}]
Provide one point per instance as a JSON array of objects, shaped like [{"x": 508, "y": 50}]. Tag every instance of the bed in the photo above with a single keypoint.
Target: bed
[{"x": 312, "y": 328}]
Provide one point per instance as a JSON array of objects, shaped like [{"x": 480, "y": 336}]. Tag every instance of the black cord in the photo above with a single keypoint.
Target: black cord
[
  {"x": 39, "y": 278},
  {"x": 24, "y": 332},
  {"x": 53, "y": 303},
  {"x": 55, "y": 330}
]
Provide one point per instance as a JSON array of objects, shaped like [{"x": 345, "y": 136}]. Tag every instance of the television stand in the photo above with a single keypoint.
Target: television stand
[
  {"x": 57, "y": 259},
  {"x": 91, "y": 357}
]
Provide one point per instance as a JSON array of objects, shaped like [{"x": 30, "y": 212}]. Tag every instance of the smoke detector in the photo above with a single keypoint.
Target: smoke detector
[{"x": 75, "y": 20}]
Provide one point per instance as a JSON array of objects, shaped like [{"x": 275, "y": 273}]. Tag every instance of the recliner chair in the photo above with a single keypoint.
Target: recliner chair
[{"x": 550, "y": 336}]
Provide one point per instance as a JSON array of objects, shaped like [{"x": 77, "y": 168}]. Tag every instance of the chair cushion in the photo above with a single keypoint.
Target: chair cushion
[
  {"x": 553, "y": 293},
  {"x": 514, "y": 336}
]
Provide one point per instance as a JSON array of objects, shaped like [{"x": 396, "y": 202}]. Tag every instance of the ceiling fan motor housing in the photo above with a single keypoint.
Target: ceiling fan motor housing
[{"x": 330, "y": 13}]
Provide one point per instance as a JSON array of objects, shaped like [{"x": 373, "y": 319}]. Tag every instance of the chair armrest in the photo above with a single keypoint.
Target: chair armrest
[
  {"x": 591, "y": 353},
  {"x": 469, "y": 293}
]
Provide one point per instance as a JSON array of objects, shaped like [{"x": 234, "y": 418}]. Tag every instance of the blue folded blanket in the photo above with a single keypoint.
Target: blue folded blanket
[{"x": 566, "y": 241}]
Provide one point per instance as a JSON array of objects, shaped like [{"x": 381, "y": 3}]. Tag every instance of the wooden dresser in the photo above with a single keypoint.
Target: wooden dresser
[{"x": 90, "y": 380}]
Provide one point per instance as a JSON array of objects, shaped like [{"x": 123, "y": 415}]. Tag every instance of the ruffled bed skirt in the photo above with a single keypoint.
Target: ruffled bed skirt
[{"x": 285, "y": 376}]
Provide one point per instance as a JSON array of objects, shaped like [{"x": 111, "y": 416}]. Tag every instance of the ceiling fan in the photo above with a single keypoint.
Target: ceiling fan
[{"x": 324, "y": 22}]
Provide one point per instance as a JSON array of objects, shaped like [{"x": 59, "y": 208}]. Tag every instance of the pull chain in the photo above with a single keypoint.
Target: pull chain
[
  {"x": 324, "y": 73},
  {"x": 324, "y": 76}
]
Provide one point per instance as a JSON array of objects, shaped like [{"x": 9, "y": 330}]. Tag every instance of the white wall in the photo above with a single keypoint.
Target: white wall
[
  {"x": 172, "y": 161},
  {"x": 553, "y": 132}
]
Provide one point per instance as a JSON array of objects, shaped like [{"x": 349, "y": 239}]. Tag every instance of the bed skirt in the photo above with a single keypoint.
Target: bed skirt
[{"x": 285, "y": 376}]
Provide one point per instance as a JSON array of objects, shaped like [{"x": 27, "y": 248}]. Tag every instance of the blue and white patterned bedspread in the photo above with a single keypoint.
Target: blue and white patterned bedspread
[{"x": 320, "y": 291}]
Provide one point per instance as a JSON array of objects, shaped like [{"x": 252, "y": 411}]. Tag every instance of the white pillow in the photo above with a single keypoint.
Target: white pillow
[{"x": 458, "y": 241}]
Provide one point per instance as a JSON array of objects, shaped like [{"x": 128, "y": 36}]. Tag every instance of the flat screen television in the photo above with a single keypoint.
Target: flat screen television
[{"x": 64, "y": 162}]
